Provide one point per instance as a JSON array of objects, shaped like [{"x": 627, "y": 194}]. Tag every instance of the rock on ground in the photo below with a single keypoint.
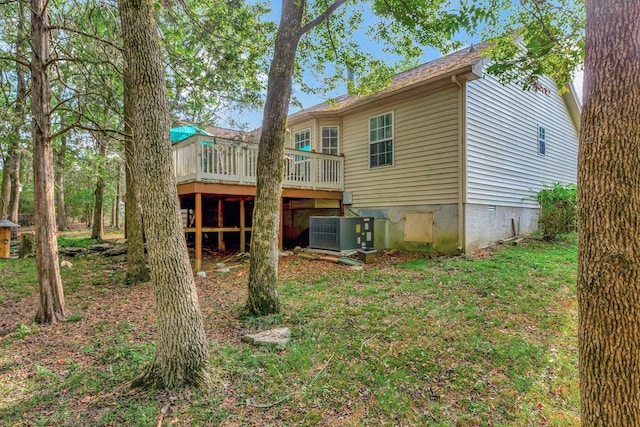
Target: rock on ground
[
  {"x": 100, "y": 247},
  {"x": 279, "y": 336},
  {"x": 116, "y": 250},
  {"x": 72, "y": 251}
]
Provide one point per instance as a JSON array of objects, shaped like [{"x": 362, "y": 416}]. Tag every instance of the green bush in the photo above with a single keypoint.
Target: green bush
[{"x": 558, "y": 210}]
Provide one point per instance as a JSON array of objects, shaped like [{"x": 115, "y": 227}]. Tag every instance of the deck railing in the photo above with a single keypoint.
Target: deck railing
[{"x": 210, "y": 159}]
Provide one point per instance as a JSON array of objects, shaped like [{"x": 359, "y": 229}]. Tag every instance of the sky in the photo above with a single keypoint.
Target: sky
[{"x": 253, "y": 118}]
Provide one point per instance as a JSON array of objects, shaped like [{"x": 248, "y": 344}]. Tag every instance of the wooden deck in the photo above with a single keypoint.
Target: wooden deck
[
  {"x": 215, "y": 160},
  {"x": 214, "y": 173}
]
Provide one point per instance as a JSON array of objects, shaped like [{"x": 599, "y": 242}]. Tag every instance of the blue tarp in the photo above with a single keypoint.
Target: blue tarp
[{"x": 183, "y": 132}]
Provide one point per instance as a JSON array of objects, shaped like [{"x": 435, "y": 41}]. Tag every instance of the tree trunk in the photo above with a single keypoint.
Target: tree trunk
[
  {"x": 136, "y": 264},
  {"x": 14, "y": 177},
  {"x": 114, "y": 206},
  {"x": 263, "y": 259},
  {"x": 609, "y": 217},
  {"x": 26, "y": 245},
  {"x": 21, "y": 98},
  {"x": 97, "y": 232},
  {"x": 5, "y": 190},
  {"x": 60, "y": 155},
  {"x": 115, "y": 211},
  {"x": 181, "y": 350},
  {"x": 51, "y": 308}
]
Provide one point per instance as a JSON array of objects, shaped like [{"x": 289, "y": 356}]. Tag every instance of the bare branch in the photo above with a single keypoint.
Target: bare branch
[
  {"x": 76, "y": 60},
  {"x": 68, "y": 128},
  {"x": 318, "y": 19},
  {"x": 61, "y": 103},
  {"x": 82, "y": 33},
  {"x": 334, "y": 47},
  {"x": 16, "y": 60}
]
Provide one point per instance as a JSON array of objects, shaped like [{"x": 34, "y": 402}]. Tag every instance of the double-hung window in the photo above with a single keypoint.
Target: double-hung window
[
  {"x": 381, "y": 140},
  {"x": 542, "y": 141},
  {"x": 329, "y": 143},
  {"x": 302, "y": 140},
  {"x": 301, "y": 170}
]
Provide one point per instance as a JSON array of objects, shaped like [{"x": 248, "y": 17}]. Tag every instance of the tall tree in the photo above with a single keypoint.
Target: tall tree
[
  {"x": 136, "y": 262},
  {"x": 115, "y": 207},
  {"x": 5, "y": 188},
  {"x": 13, "y": 171},
  {"x": 10, "y": 195},
  {"x": 21, "y": 99},
  {"x": 181, "y": 350},
  {"x": 60, "y": 154},
  {"x": 263, "y": 296},
  {"x": 410, "y": 23},
  {"x": 97, "y": 231},
  {"x": 52, "y": 307},
  {"x": 609, "y": 217}
]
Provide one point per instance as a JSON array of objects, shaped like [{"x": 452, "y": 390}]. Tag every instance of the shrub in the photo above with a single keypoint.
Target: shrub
[{"x": 558, "y": 210}]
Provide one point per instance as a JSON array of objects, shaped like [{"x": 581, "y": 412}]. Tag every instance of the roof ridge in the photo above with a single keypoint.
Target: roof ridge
[{"x": 429, "y": 70}]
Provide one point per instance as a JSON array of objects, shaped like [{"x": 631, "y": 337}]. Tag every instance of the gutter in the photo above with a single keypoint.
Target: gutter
[
  {"x": 466, "y": 73},
  {"x": 462, "y": 161},
  {"x": 573, "y": 105}
]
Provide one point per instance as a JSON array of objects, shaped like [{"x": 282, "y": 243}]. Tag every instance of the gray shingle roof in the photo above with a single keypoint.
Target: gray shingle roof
[{"x": 431, "y": 70}]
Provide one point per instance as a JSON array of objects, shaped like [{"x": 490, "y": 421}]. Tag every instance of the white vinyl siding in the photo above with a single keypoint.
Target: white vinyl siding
[
  {"x": 425, "y": 153},
  {"x": 504, "y": 165}
]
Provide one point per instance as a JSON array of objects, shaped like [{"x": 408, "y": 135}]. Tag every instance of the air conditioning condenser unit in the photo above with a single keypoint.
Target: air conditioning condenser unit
[{"x": 340, "y": 233}]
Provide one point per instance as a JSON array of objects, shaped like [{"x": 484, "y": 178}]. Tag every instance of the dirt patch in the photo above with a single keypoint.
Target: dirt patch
[
  {"x": 106, "y": 313},
  {"x": 111, "y": 307},
  {"x": 483, "y": 253}
]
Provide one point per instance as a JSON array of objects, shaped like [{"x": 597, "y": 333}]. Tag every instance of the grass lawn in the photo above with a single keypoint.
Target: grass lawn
[{"x": 484, "y": 340}]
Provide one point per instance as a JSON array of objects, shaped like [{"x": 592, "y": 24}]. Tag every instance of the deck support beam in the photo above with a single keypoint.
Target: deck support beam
[
  {"x": 195, "y": 225},
  {"x": 280, "y": 227},
  {"x": 242, "y": 226},
  {"x": 198, "y": 254},
  {"x": 221, "y": 245}
]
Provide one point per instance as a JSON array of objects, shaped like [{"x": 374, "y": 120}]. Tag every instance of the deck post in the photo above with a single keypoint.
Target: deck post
[
  {"x": 313, "y": 172},
  {"x": 242, "y": 226},
  {"x": 241, "y": 158},
  {"x": 281, "y": 223},
  {"x": 199, "y": 161},
  {"x": 198, "y": 265},
  {"x": 221, "y": 246}
]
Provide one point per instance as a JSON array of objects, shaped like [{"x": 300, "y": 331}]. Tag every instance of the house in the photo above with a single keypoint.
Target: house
[{"x": 445, "y": 159}]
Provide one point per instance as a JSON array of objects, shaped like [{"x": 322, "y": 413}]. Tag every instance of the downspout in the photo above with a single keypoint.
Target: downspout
[{"x": 462, "y": 162}]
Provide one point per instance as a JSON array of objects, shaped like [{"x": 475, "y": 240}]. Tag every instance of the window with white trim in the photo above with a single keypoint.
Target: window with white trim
[
  {"x": 542, "y": 140},
  {"x": 302, "y": 140},
  {"x": 381, "y": 140},
  {"x": 329, "y": 140}
]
